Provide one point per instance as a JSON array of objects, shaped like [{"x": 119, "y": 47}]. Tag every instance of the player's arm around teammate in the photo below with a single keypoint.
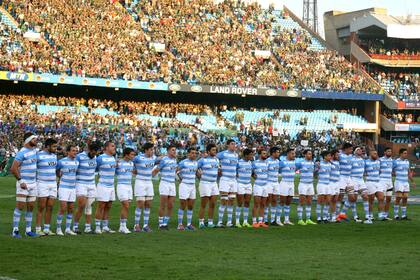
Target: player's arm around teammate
[{"x": 24, "y": 170}]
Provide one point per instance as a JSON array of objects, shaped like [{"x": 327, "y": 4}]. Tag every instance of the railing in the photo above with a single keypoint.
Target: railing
[{"x": 395, "y": 56}]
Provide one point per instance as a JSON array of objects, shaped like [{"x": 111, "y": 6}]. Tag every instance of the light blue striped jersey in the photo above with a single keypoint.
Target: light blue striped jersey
[
  {"x": 386, "y": 168},
  {"x": 335, "y": 171},
  {"x": 288, "y": 170},
  {"x": 260, "y": 168},
  {"x": 167, "y": 167},
  {"x": 144, "y": 166},
  {"x": 68, "y": 168},
  {"x": 306, "y": 168},
  {"x": 273, "y": 169},
  {"x": 87, "y": 168},
  {"x": 357, "y": 167},
  {"x": 228, "y": 163},
  {"x": 106, "y": 166},
  {"x": 124, "y": 172},
  {"x": 46, "y": 167},
  {"x": 324, "y": 172},
  {"x": 244, "y": 171},
  {"x": 187, "y": 171},
  {"x": 372, "y": 168},
  {"x": 345, "y": 164},
  {"x": 27, "y": 158},
  {"x": 209, "y": 167},
  {"x": 401, "y": 168}
]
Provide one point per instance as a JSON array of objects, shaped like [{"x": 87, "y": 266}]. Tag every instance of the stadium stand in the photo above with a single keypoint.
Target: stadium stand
[
  {"x": 132, "y": 123},
  {"x": 152, "y": 41}
]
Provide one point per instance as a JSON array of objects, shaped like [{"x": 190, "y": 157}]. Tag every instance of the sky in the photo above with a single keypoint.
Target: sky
[{"x": 395, "y": 7}]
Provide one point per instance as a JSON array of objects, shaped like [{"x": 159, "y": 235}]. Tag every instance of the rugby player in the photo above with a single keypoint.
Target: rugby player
[
  {"x": 375, "y": 189},
  {"x": 386, "y": 179},
  {"x": 66, "y": 171},
  {"x": 85, "y": 186},
  {"x": 401, "y": 167},
  {"x": 287, "y": 184},
  {"x": 208, "y": 169},
  {"x": 47, "y": 185},
  {"x": 124, "y": 174},
  {"x": 167, "y": 167},
  {"x": 227, "y": 184},
  {"x": 187, "y": 170},
  {"x": 273, "y": 187},
  {"x": 260, "y": 173},
  {"x": 24, "y": 170},
  {"x": 244, "y": 187},
  {"x": 143, "y": 188},
  {"x": 306, "y": 188},
  {"x": 105, "y": 191}
]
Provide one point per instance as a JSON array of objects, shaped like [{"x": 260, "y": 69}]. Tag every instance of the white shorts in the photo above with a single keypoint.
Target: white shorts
[
  {"x": 286, "y": 188},
  {"x": 244, "y": 188},
  {"x": 187, "y": 191},
  {"x": 125, "y": 192},
  {"x": 272, "y": 187},
  {"x": 47, "y": 189},
  {"x": 359, "y": 185},
  {"x": 335, "y": 187},
  {"x": 167, "y": 188},
  {"x": 345, "y": 182},
  {"x": 228, "y": 185},
  {"x": 65, "y": 194},
  {"x": 306, "y": 189},
  {"x": 374, "y": 187},
  {"x": 401, "y": 186},
  {"x": 31, "y": 189},
  {"x": 105, "y": 194},
  {"x": 387, "y": 184},
  {"x": 86, "y": 190},
  {"x": 143, "y": 188},
  {"x": 208, "y": 188},
  {"x": 261, "y": 191},
  {"x": 323, "y": 189}
]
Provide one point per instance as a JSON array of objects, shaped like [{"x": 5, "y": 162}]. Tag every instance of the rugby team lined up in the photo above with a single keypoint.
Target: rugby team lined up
[{"x": 233, "y": 176}]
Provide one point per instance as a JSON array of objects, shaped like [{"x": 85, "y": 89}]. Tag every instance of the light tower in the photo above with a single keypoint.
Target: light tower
[{"x": 310, "y": 14}]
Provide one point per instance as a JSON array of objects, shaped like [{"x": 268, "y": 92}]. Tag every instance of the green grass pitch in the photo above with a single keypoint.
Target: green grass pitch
[{"x": 384, "y": 250}]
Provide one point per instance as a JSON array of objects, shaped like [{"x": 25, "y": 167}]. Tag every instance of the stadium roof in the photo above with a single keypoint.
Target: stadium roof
[{"x": 404, "y": 27}]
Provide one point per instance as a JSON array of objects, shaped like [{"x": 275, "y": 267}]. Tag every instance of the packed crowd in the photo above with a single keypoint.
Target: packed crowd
[
  {"x": 74, "y": 125},
  {"x": 403, "y": 85},
  {"x": 380, "y": 47},
  {"x": 196, "y": 41},
  {"x": 402, "y": 117},
  {"x": 308, "y": 69}
]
